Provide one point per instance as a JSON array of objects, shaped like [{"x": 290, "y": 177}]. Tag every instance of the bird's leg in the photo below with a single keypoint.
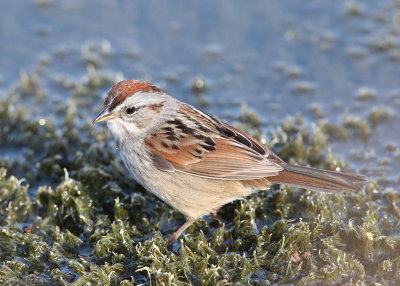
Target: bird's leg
[
  {"x": 189, "y": 222},
  {"x": 215, "y": 216}
]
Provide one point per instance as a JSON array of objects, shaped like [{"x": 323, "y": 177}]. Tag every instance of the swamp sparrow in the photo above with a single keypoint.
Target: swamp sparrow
[{"x": 195, "y": 162}]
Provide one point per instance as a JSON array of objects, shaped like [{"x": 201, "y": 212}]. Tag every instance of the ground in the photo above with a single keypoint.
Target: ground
[{"x": 317, "y": 82}]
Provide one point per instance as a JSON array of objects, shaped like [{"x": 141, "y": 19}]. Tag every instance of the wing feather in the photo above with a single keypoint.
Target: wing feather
[{"x": 198, "y": 144}]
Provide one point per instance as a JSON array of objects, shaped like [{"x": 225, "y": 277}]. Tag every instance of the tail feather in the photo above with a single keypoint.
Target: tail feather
[{"x": 319, "y": 180}]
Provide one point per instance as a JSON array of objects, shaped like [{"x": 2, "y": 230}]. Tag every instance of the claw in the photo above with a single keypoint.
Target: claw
[
  {"x": 215, "y": 216},
  {"x": 171, "y": 240}
]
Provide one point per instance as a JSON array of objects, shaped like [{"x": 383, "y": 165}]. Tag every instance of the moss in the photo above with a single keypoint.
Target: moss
[
  {"x": 250, "y": 117},
  {"x": 69, "y": 205},
  {"x": 303, "y": 87},
  {"x": 15, "y": 204},
  {"x": 293, "y": 71},
  {"x": 360, "y": 125},
  {"x": 366, "y": 94},
  {"x": 199, "y": 86},
  {"x": 84, "y": 221},
  {"x": 379, "y": 115},
  {"x": 335, "y": 131},
  {"x": 316, "y": 109},
  {"x": 354, "y": 8}
]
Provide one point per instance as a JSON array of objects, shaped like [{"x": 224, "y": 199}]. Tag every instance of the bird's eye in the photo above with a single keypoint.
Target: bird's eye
[{"x": 130, "y": 110}]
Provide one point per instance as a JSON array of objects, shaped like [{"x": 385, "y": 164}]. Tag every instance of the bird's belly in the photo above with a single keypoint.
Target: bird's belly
[{"x": 192, "y": 195}]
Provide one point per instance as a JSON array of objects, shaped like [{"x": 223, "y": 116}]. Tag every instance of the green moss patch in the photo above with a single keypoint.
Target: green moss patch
[{"x": 79, "y": 219}]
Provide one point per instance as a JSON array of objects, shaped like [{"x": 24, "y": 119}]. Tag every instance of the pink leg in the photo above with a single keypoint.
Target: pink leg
[
  {"x": 189, "y": 222},
  {"x": 215, "y": 216}
]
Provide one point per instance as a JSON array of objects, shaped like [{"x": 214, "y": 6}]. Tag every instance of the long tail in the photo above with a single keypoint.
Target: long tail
[{"x": 319, "y": 180}]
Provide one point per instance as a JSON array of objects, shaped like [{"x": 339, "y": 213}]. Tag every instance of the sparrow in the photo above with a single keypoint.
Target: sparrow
[{"x": 195, "y": 162}]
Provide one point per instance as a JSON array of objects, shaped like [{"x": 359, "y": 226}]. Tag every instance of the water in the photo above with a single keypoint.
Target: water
[
  {"x": 281, "y": 58},
  {"x": 261, "y": 54}
]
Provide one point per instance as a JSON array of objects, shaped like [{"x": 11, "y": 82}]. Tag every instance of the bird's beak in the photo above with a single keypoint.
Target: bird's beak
[{"x": 104, "y": 115}]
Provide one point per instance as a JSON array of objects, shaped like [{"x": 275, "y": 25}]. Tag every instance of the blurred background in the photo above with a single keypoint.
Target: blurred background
[
  {"x": 335, "y": 61},
  {"x": 331, "y": 67}
]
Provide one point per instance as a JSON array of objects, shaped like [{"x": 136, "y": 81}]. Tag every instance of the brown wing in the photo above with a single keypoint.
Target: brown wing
[{"x": 198, "y": 144}]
